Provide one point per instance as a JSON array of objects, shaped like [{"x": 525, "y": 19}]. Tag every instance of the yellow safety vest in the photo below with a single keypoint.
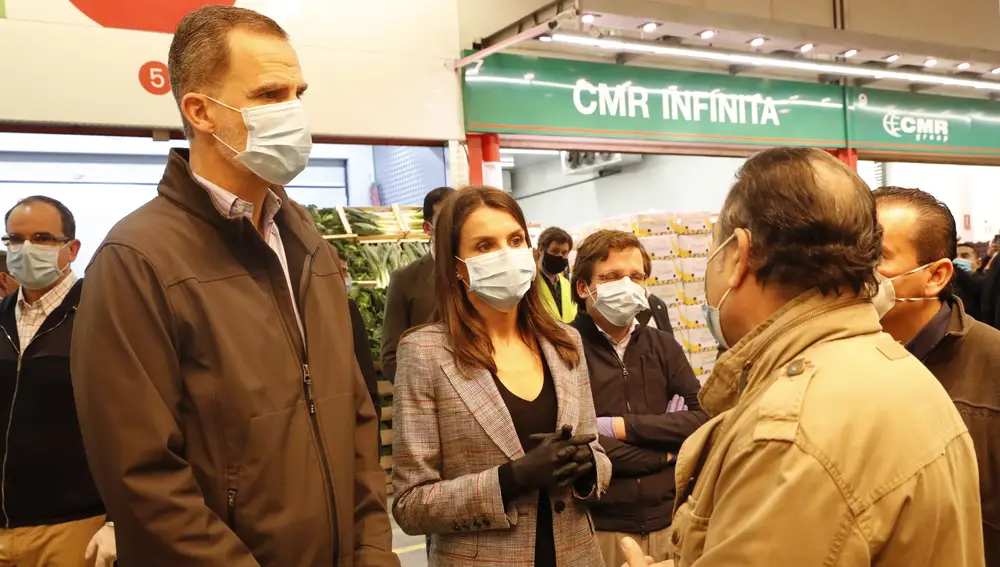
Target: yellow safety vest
[{"x": 565, "y": 294}]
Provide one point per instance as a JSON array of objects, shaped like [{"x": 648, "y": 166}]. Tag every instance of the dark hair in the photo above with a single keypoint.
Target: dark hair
[
  {"x": 199, "y": 52},
  {"x": 812, "y": 221},
  {"x": 68, "y": 222},
  {"x": 465, "y": 327},
  {"x": 936, "y": 235},
  {"x": 554, "y": 234},
  {"x": 596, "y": 248},
  {"x": 431, "y": 200}
]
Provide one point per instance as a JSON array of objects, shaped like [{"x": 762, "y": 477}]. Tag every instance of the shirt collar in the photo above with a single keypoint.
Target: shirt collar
[
  {"x": 932, "y": 333},
  {"x": 47, "y": 307},
  {"x": 628, "y": 335},
  {"x": 232, "y": 207}
]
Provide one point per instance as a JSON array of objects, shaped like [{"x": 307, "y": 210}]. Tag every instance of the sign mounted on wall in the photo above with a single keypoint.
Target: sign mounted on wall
[
  {"x": 908, "y": 122},
  {"x": 522, "y": 95},
  {"x": 510, "y": 94}
]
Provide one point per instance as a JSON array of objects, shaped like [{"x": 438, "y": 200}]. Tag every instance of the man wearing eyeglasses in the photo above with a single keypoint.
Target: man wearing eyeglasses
[
  {"x": 50, "y": 511},
  {"x": 645, "y": 393}
]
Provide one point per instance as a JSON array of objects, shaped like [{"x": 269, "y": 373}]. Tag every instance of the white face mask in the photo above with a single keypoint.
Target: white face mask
[
  {"x": 501, "y": 278},
  {"x": 713, "y": 319},
  {"x": 34, "y": 266},
  {"x": 885, "y": 298},
  {"x": 620, "y": 301},
  {"x": 278, "y": 140}
]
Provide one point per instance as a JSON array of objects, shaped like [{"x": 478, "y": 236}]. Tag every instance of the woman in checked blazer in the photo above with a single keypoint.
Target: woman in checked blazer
[{"x": 495, "y": 450}]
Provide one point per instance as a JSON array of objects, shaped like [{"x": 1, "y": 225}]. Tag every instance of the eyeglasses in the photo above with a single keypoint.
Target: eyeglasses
[
  {"x": 41, "y": 239},
  {"x": 636, "y": 277}
]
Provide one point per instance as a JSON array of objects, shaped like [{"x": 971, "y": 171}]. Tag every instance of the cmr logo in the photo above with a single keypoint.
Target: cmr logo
[{"x": 929, "y": 129}]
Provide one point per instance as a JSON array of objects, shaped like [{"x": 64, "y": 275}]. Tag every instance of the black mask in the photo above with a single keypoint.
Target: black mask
[{"x": 554, "y": 264}]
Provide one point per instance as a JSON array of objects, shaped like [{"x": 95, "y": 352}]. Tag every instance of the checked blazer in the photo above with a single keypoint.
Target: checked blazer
[{"x": 452, "y": 432}]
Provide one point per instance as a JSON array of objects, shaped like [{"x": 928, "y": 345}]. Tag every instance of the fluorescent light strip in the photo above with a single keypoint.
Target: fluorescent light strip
[{"x": 756, "y": 60}]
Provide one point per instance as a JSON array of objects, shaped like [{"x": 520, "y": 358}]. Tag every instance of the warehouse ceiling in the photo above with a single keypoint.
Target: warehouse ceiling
[{"x": 648, "y": 24}]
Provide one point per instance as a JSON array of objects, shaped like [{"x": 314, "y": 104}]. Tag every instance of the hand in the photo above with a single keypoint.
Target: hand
[
  {"x": 102, "y": 551},
  {"x": 552, "y": 461},
  {"x": 606, "y": 426},
  {"x": 577, "y": 466},
  {"x": 676, "y": 404},
  {"x": 635, "y": 558}
]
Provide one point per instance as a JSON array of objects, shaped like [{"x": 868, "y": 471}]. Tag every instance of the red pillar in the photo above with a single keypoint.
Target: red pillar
[
  {"x": 847, "y": 155},
  {"x": 483, "y": 149}
]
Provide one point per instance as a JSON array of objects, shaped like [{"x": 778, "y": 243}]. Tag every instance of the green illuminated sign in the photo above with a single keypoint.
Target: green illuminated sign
[
  {"x": 907, "y": 122},
  {"x": 556, "y": 97}
]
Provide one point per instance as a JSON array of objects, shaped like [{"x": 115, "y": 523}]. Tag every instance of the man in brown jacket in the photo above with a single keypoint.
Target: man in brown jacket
[
  {"x": 831, "y": 445},
  {"x": 919, "y": 241},
  {"x": 224, "y": 416}
]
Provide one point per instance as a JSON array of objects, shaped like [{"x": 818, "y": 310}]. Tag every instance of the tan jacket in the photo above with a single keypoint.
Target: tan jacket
[
  {"x": 830, "y": 446},
  {"x": 452, "y": 434},
  {"x": 218, "y": 435}
]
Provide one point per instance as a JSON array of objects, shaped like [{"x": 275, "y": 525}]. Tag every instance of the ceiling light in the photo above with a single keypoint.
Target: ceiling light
[
  {"x": 963, "y": 66},
  {"x": 842, "y": 69},
  {"x": 996, "y": 71},
  {"x": 849, "y": 53},
  {"x": 892, "y": 58},
  {"x": 707, "y": 34},
  {"x": 545, "y": 39},
  {"x": 806, "y": 48},
  {"x": 930, "y": 62},
  {"x": 757, "y": 41},
  {"x": 794, "y": 97},
  {"x": 588, "y": 18},
  {"x": 529, "y": 76},
  {"x": 650, "y": 27}
]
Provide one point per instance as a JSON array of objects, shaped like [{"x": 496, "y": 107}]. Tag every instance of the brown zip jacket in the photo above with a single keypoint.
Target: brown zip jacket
[
  {"x": 831, "y": 445},
  {"x": 217, "y": 434}
]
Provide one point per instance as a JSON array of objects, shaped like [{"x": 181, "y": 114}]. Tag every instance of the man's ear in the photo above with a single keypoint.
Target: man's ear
[
  {"x": 740, "y": 258},
  {"x": 194, "y": 106},
  {"x": 941, "y": 274},
  {"x": 74, "y": 250},
  {"x": 581, "y": 290}
]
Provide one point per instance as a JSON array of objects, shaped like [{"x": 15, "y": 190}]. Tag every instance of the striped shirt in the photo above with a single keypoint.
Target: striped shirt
[
  {"x": 232, "y": 207},
  {"x": 30, "y": 316}
]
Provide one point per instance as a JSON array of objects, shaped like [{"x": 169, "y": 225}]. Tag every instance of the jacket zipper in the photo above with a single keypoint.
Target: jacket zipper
[
  {"x": 231, "y": 508},
  {"x": 628, "y": 406},
  {"x": 311, "y": 408},
  {"x": 10, "y": 418}
]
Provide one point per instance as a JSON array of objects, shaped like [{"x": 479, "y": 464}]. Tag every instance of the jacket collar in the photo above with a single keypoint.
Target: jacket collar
[
  {"x": 802, "y": 322},
  {"x": 180, "y": 186},
  {"x": 961, "y": 322},
  {"x": 591, "y": 333}
]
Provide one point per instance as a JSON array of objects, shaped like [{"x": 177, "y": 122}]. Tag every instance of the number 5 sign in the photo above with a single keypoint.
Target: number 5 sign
[{"x": 153, "y": 77}]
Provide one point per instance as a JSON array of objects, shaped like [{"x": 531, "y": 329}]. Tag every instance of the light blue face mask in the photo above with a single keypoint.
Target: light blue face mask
[
  {"x": 712, "y": 319},
  {"x": 501, "y": 278},
  {"x": 963, "y": 264},
  {"x": 348, "y": 282}
]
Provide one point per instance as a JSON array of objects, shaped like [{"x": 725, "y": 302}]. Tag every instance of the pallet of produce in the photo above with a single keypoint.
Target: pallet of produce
[
  {"x": 411, "y": 218},
  {"x": 372, "y": 221},
  {"x": 330, "y": 222}
]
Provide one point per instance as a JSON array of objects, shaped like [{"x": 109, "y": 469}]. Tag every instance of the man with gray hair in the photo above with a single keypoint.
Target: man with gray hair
[
  {"x": 221, "y": 406},
  {"x": 831, "y": 444}
]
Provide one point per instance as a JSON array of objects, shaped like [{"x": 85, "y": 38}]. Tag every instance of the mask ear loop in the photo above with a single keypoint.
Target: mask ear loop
[{"x": 246, "y": 124}]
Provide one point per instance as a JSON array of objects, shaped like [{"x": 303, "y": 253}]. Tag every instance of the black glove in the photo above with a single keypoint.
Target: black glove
[
  {"x": 553, "y": 460},
  {"x": 578, "y": 466}
]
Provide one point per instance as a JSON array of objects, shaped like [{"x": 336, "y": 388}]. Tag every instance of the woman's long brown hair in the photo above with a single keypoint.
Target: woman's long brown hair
[{"x": 467, "y": 329}]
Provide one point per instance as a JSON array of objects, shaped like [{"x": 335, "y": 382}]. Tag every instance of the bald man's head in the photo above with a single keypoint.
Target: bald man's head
[{"x": 812, "y": 221}]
